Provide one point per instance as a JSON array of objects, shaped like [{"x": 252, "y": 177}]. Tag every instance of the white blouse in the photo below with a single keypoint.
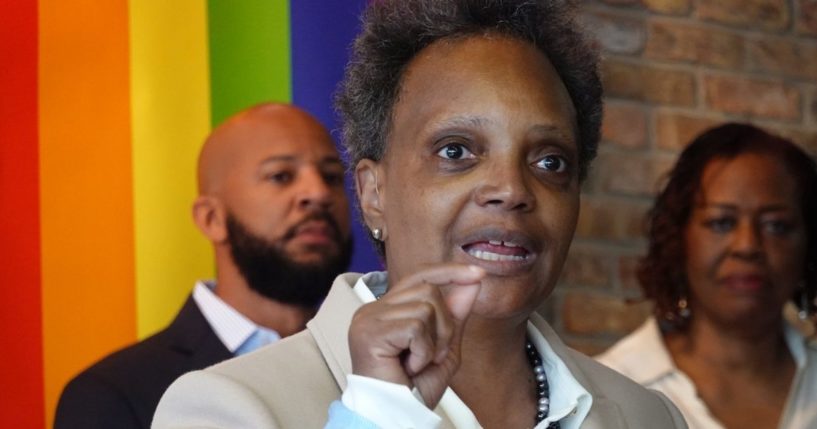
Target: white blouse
[{"x": 643, "y": 357}]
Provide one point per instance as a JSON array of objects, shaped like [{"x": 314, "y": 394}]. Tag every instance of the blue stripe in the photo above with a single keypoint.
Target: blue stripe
[{"x": 322, "y": 33}]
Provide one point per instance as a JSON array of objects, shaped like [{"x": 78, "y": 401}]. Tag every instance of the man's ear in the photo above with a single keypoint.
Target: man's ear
[
  {"x": 369, "y": 181},
  {"x": 209, "y": 216}
]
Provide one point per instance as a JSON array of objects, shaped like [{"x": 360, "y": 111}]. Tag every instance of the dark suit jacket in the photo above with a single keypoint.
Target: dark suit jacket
[{"x": 123, "y": 389}]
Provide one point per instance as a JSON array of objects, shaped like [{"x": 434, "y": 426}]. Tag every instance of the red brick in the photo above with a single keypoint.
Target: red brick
[
  {"x": 586, "y": 314},
  {"x": 646, "y": 83},
  {"x": 675, "y": 41},
  {"x": 753, "y": 97},
  {"x": 615, "y": 33},
  {"x": 586, "y": 267},
  {"x": 783, "y": 56},
  {"x": 674, "y": 131},
  {"x": 752, "y": 14},
  {"x": 670, "y": 7},
  {"x": 624, "y": 125},
  {"x": 807, "y": 17},
  {"x": 627, "y": 276},
  {"x": 613, "y": 219},
  {"x": 630, "y": 174}
]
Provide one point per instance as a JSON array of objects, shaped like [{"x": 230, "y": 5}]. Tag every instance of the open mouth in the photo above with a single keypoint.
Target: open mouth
[{"x": 498, "y": 250}]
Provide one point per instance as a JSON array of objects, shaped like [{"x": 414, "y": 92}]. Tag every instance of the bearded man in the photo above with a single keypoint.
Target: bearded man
[{"x": 272, "y": 202}]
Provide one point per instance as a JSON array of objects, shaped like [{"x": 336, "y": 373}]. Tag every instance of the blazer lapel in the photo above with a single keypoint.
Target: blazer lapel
[
  {"x": 330, "y": 326},
  {"x": 191, "y": 334},
  {"x": 604, "y": 413}
]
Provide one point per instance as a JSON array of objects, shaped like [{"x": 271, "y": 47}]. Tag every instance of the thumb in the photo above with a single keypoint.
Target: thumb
[{"x": 460, "y": 300}]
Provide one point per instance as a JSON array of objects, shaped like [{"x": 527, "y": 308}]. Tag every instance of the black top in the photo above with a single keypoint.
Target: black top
[{"x": 123, "y": 389}]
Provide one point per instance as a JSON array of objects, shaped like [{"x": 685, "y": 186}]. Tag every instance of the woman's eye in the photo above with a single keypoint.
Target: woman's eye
[
  {"x": 724, "y": 224},
  {"x": 455, "y": 151},
  {"x": 777, "y": 227},
  {"x": 552, "y": 163}
]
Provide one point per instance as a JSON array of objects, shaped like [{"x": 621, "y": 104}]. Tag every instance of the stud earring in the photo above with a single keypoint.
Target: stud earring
[
  {"x": 377, "y": 233},
  {"x": 683, "y": 308},
  {"x": 805, "y": 305}
]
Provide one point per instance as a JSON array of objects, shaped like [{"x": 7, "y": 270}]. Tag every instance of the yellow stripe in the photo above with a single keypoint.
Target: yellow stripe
[{"x": 170, "y": 104}]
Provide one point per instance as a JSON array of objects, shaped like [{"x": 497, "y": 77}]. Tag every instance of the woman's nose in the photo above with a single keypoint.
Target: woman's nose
[
  {"x": 505, "y": 187},
  {"x": 747, "y": 241}
]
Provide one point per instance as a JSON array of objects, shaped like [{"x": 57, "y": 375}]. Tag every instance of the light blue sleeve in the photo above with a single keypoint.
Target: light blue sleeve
[{"x": 341, "y": 417}]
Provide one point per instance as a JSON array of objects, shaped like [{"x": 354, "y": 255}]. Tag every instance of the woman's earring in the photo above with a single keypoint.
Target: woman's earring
[
  {"x": 683, "y": 308},
  {"x": 805, "y": 305},
  {"x": 377, "y": 233}
]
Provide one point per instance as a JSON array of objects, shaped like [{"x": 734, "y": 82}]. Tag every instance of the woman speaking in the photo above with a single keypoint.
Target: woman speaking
[{"x": 470, "y": 125}]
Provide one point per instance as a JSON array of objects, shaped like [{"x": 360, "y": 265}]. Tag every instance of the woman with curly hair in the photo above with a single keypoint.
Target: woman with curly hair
[
  {"x": 470, "y": 125},
  {"x": 732, "y": 239}
]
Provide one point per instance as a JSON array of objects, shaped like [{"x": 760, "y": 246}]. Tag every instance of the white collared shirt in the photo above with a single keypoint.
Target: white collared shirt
[
  {"x": 230, "y": 326},
  {"x": 391, "y": 405},
  {"x": 644, "y": 358}
]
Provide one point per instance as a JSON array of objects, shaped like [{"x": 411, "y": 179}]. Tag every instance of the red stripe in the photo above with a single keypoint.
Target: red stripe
[{"x": 21, "y": 374}]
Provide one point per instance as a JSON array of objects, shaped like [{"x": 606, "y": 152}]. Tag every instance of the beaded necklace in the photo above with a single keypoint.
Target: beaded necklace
[{"x": 542, "y": 387}]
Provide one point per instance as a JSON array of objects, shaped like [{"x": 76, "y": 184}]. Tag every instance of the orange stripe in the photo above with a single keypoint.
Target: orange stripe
[{"x": 86, "y": 186}]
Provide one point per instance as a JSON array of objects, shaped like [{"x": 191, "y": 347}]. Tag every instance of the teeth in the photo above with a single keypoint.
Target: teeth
[
  {"x": 490, "y": 256},
  {"x": 503, "y": 243}
]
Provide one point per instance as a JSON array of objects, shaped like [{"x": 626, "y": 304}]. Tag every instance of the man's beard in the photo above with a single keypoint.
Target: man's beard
[{"x": 269, "y": 271}]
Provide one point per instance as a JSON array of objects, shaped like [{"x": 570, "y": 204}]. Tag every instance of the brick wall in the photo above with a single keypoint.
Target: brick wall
[{"x": 671, "y": 69}]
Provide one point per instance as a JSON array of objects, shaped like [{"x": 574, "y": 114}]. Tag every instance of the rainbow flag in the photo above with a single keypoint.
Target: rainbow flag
[{"x": 103, "y": 107}]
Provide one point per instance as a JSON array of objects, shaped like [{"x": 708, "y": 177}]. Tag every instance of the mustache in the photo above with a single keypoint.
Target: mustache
[{"x": 316, "y": 216}]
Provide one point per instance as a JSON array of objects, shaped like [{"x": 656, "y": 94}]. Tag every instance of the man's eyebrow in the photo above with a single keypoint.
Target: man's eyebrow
[
  {"x": 332, "y": 160},
  {"x": 279, "y": 158}
]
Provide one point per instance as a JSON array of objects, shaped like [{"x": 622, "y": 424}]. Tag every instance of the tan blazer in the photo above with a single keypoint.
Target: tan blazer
[{"x": 291, "y": 383}]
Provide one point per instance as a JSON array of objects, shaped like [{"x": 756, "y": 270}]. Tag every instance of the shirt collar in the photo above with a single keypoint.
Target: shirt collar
[
  {"x": 230, "y": 326},
  {"x": 646, "y": 337},
  {"x": 797, "y": 345},
  {"x": 570, "y": 402}
]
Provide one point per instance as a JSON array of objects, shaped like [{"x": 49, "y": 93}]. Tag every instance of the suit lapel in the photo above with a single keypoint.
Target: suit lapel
[
  {"x": 330, "y": 326},
  {"x": 191, "y": 334},
  {"x": 604, "y": 413}
]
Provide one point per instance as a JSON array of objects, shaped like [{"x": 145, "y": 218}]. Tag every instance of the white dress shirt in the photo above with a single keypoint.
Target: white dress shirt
[
  {"x": 391, "y": 405},
  {"x": 643, "y": 357},
  {"x": 230, "y": 326}
]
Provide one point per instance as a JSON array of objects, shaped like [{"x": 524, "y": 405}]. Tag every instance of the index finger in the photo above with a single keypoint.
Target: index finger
[{"x": 442, "y": 275}]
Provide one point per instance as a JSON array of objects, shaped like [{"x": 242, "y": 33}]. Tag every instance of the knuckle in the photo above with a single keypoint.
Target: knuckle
[
  {"x": 415, "y": 327},
  {"x": 426, "y": 309}
]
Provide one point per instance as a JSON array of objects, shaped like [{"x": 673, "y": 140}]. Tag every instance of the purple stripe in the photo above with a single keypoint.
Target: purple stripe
[{"x": 321, "y": 35}]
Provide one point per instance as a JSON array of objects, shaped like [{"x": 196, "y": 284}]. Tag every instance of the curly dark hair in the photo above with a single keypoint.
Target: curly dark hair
[
  {"x": 395, "y": 31},
  {"x": 662, "y": 272}
]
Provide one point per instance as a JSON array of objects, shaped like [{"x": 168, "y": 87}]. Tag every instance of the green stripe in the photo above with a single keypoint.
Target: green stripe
[{"x": 249, "y": 54}]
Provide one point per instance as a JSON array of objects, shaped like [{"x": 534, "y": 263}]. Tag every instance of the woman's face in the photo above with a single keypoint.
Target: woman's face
[
  {"x": 481, "y": 168},
  {"x": 745, "y": 241}
]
